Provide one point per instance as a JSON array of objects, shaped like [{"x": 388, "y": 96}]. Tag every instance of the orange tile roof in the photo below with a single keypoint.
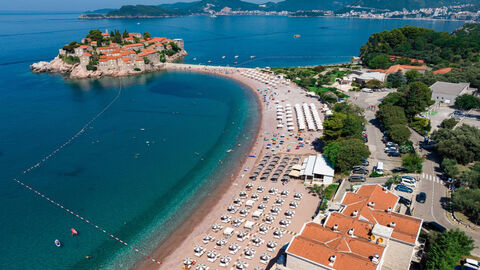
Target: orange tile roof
[
  {"x": 134, "y": 45},
  {"x": 345, "y": 223},
  {"x": 83, "y": 46},
  {"x": 106, "y": 48},
  {"x": 412, "y": 60},
  {"x": 395, "y": 68},
  {"x": 406, "y": 228},
  {"x": 318, "y": 244},
  {"x": 139, "y": 59},
  {"x": 87, "y": 54},
  {"x": 442, "y": 71}
]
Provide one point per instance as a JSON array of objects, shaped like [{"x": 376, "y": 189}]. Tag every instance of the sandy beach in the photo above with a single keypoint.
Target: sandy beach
[{"x": 180, "y": 244}]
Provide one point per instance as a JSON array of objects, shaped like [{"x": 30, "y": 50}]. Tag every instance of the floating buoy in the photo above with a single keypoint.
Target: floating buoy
[
  {"x": 58, "y": 243},
  {"x": 74, "y": 232}
]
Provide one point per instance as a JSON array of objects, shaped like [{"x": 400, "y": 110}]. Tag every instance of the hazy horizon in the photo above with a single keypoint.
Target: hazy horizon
[{"x": 78, "y": 6}]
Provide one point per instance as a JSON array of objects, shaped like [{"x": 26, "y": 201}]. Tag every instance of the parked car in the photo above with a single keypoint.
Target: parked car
[
  {"x": 407, "y": 177},
  {"x": 421, "y": 197},
  {"x": 409, "y": 183},
  {"x": 379, "y": 168},
  {"x": 432, "y": 225},
  {"x": 367, "y": 90},
  {"x": 404, "y": 188},
  {"x": 394, "y": 154},
  {"x": 391, "y": 144},
  {"x": 399, "y": 170},
  {"x": 404, "y": 201},
  {"x": 357, "y": 178},
  {"x": 359, "y": 170},
  {"x": 365, "y": 162},
  {"x": 391, "y": 149}
]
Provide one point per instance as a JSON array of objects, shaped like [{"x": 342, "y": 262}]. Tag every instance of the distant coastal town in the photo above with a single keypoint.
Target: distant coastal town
[{"x": 113, "y": 54}]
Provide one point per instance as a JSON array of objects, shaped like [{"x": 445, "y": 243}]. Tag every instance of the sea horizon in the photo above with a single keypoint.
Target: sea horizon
[{"x": 100, "y": 175}]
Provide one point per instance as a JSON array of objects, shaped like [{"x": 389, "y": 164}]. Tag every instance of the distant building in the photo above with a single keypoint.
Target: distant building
[
  {"x": 442, "y": 71},
  {"x": 317, "y": 170},
  {"x": 401, "y": 68},
  {"x": 364, "y": 234},
  {"x": 447, "y": 92},
  {"x": 368, "y": 76}
]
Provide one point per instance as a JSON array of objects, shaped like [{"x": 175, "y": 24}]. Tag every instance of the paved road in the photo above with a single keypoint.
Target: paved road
[
  {"x": 430, "y": 183},
  {"x": 433, "y": 209}
]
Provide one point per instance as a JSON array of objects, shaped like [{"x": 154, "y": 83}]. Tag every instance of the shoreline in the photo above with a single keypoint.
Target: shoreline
[{"x": 185, "y": 231}]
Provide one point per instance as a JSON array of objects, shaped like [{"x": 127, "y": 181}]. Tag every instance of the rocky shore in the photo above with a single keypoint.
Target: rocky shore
[{"x": 77, "y": 71}]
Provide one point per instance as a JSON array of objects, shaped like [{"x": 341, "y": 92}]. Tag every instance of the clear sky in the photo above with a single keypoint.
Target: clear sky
[{"x": 83, "y": 5}]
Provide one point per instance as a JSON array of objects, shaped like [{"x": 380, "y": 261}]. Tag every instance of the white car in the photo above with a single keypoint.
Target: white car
[
  {"x": 409, "y": 183},
  {"x": 410, "y": 178}
]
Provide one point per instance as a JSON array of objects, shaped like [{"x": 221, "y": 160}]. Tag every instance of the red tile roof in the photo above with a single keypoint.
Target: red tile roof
[
  {"x": 134, "y": 45},
  {"x": 318, "y": 244},
  {"x": 442, "y": 71}
]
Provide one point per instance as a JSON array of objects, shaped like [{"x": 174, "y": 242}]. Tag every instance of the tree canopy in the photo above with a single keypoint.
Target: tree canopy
[
  {"x": 461, "y": 144},
  {"x": 345, "y": 154},
  {"x": 467, "y": 102},
  {"x": 445, "y": 252}
]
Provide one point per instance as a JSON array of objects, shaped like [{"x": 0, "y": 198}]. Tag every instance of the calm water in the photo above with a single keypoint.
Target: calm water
[{"x": 111, "y": 175}]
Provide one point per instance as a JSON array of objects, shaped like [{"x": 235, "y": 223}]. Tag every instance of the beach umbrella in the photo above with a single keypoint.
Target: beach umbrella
[
  {"x": 284, "y": 193},
  {"x": 257, "y": 240},
  {"x": 277, "y": 233},
  {"x": 284, "y": 222},
  {"x": 197, "y": 249},
  {"x": 271, "y": 244},
  {"x": 297, "y": 196},
  {"x": 260, "y": 188},
  {"x": 212, "y": 254},
  {"x": 225, "y": 217},
  {"x": 265, "y": 257},
  {"x": 249, "y": 186},
  {"x": 243, "y": 193},
  {"x": 254, "y": 196},
  {"x": 233, "y": 247},
  {"x": 293, "y": 204},
  {"x": 237, "y": 201},
  {"x": 207, "y": 237},
  {"x": 221, "y": 242},
  {"x": 188, "y": 261},
  {"x": 279, "y": 202},
  {"x": 262, "y": 206},
  {"x": 272, "y": 190},
  {"x": 258, "y": 268},
  {"x": 249, "y": 252},
  {"x": 263, "y": 228},
  {"x": 231, "y": 209},
  {"x": 241, "y": 235},
  {"x": 243, "y": 211},
  {"x": 289, "y": 213},
  {"x": 201, "y": 267},
  {"x": 241, "y": 265},
  {"x": 266, "y": 197},
  {"x": 269, "y": 218},
  {"x": 225, "y": 259}
]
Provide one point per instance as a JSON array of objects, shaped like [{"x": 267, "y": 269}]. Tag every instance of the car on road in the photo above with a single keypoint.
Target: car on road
[
  {"x": 407, "y": 177},
  {"x": 399, "y": 170},
  {"x": 357, "y": 178},
  {"x": 404, "y": 200},
  {"x": 409, "y": 183},
  {"x": 393, "y": 154},
  {"x": 432, "y": 225},
  {"x": 379, "y": 168},
  {"x": 404, "y": 188},
  {"x": 365, "y": 162},
  {"x": 421, "y": 197}
]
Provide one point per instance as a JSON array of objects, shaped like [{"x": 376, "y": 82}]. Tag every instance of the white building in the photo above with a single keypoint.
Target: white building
[
  {"x": 317, "y": 170},
  {"x": 447, "y": 92}
]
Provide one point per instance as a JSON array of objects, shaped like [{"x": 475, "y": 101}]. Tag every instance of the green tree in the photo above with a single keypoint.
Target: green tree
[
  {"x": 448, "y": 123},
  {"x": 125, "y": 34},
  {"x": 413, "y": 76},
  {"x": 467, "y": 201},
  {"x": 147, "y": 35},
  {"x": 117, "y": 37},
  {"x": 380, "y": 61},
  {"x": 399, "y": 133},
  {"x": 450, "y": 167},
  {"x": 412, "y": 162},
  {"x": 70, "y": 47},
  {"x": 396, "y": 79},
  {"x": 331, "y": 151},
  {"x": 467, "y": 102},
  {"x": 333, "y": 126},
  {"x": 417, "y": 97},
  {"x": 96, "y": 35},
  {"x": 374, "y": 84},
  {"x": 461, "y": 144},
  {"x": 352, "y": 152},
  {"x": 448, "y": 249}
]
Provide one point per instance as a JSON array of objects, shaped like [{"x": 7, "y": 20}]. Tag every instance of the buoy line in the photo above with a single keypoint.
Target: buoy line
[{"x": 69, "y": 141}]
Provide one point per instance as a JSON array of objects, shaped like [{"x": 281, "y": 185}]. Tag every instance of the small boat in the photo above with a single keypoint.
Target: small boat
[
  {"x": 235, "y": 62},
  {"x": 296, "y": 36},
  {"x": 194, "y": 59},
  {"x": 58, "y": 243},
  {"x": 236, "y": 56},
  {"x": 252, "y": 56},
  {"x": 229, "y": 150},
  {"x": 209, "y": 61},
  {"x": 74, "y": 232},
  {"x": 223, "y": 57}
]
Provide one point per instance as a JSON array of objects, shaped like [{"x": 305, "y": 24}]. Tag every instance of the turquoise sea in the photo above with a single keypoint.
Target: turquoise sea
[{"x": 159, "y": 150}]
